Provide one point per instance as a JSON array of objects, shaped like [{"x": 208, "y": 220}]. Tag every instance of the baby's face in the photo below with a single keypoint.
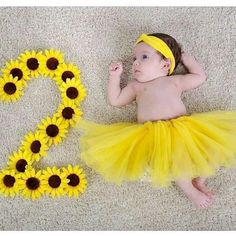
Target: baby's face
[{"x": 147, "y": 63}]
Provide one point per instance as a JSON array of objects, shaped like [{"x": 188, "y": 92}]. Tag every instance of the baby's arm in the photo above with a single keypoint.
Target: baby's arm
[
  {"x": 196, "y": 74},
  {"x": 119, "y": 97}
]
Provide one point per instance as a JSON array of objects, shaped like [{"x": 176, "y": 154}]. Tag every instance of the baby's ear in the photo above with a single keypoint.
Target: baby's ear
[{"x": 166, "y": 64}]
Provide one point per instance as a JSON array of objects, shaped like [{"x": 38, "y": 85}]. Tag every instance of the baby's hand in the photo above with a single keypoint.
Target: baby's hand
[{"x": 116, "y": 69}]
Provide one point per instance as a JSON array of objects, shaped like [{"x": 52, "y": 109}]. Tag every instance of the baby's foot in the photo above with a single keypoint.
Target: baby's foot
[
  {"x": 199, "y": 198},
  {"x": 199, "y": 183}
]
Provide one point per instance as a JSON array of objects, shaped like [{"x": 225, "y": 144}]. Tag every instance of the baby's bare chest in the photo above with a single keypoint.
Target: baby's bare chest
[{"x": 157, "y": 91}]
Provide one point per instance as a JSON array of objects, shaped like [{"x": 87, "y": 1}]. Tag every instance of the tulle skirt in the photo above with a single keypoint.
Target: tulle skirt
[{"x": 178, "y": 149}]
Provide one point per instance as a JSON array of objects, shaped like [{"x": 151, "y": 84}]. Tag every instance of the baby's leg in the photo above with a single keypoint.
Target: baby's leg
[
  {"x": 199, "y": 183},
  {"x": 199, "y": 198}
]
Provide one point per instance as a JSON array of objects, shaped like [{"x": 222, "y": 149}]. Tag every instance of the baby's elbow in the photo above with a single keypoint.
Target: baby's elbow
[
  {"x": 204, "y": 77},
  {"x": 115, "y": 103},
  {"x": 201, "y": 78}
]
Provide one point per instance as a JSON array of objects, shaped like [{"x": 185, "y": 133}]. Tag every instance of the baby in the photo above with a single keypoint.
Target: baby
[
  {"x": 165, "y": 141},
  {"x": 158, "y": 96}
]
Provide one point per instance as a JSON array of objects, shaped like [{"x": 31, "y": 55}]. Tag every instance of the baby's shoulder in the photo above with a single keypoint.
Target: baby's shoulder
[
  {"x": 175, "y": 79},
  {"x": 134, "y": 85}
]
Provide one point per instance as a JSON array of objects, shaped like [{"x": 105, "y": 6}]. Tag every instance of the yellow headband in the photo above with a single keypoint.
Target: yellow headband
[{"x": 160, "y": 46}]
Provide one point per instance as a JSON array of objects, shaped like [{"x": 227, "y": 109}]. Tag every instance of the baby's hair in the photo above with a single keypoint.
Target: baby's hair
[{"x": 172, "y": 43}]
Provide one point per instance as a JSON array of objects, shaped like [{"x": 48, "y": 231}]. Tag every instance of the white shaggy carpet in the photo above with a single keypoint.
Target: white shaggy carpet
[{"x": 92, "y": 38}]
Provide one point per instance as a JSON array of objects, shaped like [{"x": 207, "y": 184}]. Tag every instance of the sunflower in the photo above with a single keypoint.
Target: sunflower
[
  {"x": 16, "y": 69},
  {"x": 18, "y": 161},
  {"x": 9, "y": 183},
  {"x": 54, "y": 129},
  {"x": 65, "y": 71},
  {"x": 33, "y": 62},
  {"x": 69, "y": 112},
  {"x": 77, "y": 181},
  {"x": 73, "y": 90},
  {"x": 54, "y": 181},
  {"x": 35, "y": 145},
  {"x": 53, "y": 58},
  {"x": 10, "y": 88},
  {"x": 31, "y": 184}
]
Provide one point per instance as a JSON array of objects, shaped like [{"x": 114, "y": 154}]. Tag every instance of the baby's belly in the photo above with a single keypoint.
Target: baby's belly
[{"x": 160, "y": 112}]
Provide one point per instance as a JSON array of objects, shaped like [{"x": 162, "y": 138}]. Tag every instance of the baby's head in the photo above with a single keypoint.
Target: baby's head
[{"x": 155, "y": 55}]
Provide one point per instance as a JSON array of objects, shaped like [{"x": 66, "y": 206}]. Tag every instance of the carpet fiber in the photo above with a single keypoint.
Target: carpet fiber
[{"x": 91, "y": 38}]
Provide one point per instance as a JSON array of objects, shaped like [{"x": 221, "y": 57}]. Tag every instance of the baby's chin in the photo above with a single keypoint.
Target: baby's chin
[{"x": 142, "y": 79}]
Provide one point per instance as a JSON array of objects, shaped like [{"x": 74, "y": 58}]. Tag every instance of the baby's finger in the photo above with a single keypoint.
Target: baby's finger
[
  {"x": 112, "y": 67},
  {"x": 119, "y": 64}
]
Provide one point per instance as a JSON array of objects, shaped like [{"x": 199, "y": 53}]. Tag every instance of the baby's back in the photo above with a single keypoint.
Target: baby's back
[{"x": 158, "y": 99}]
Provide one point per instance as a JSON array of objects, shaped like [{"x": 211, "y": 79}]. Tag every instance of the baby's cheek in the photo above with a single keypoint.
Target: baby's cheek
[{"x": 150, "y": 71}]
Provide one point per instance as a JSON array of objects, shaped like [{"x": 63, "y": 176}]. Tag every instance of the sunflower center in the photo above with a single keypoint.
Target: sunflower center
[
  {"x": 21, "y": 164},
  {"x": 72, "y": 93},
  {"x": 54, "y": 181},
  {"x": 52, "y": 63},
  {"x": 52, "y": 130},
  {"x": 67, "y": 75},
  {"x": 35, "y": 146},
  {"x": 67, "y": 113},
  {"x": 32, "y": 183},
  {"x": 9, "y": 180},
  {"x": 32, "y": 64},
  {"x": 74, "y": 180},
  {"x": 17, "y": 72},
  {"x": 10, "y": 88}
]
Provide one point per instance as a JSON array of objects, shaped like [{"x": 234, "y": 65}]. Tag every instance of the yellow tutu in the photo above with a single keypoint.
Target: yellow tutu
[{"x": 181, "y": 148}]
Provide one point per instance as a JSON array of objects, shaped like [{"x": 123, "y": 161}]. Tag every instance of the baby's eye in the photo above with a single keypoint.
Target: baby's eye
[
  {"x": 144, "y": 56},
  {"x": 134, "y": 58}
]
